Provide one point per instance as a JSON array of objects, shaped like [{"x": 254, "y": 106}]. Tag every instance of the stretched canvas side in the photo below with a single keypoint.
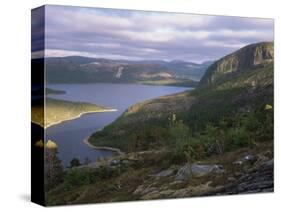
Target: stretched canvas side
[{"x": 37, "y": 106}]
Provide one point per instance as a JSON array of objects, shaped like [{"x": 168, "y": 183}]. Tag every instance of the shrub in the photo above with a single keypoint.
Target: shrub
[
  {"x": 54, "y": 172},
  {"x": 238, "y": 137},
  {"x": 74, "y": 162},
  {"x": 76, "y": 177},
  {"x": 184, "y": 146}
]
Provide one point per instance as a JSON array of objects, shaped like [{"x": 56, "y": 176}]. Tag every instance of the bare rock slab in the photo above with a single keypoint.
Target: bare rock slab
[{"x": 187, "y": 171}]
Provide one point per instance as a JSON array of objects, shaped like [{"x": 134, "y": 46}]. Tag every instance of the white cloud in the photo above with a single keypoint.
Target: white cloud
[
  {"x": 236, "y": 45},
  {"x": 244, "y": 33},
  {"x": 148, "y": 35},
  {"x": 174, "y": 20},
  {"x": 66, "y": 53}
]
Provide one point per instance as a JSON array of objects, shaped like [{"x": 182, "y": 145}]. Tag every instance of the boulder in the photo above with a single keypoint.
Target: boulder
[
  {"x": 268, "y": 163},
  {"x": 245, "y": 159},
  {"x": 115, "y": 162},
  {"x": 187, "y": 171}
]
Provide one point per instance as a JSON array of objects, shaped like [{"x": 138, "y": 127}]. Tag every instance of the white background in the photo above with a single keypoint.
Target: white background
[{"x": 15, "y": 104}]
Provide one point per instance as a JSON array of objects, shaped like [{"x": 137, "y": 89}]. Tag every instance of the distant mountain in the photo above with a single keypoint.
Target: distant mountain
[
  {"x": 235, "y": 86},
  {"x": 222, "y": 123},
  {"x": 77, "y": 69},
  {"x": 244, "y": 60}
]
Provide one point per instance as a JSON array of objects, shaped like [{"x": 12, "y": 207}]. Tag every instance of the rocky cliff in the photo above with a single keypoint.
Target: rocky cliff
[{"x": 245, "y": 59}]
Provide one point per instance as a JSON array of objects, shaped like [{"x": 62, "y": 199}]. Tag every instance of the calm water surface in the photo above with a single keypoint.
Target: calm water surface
[{"x": 69, "y": 135}]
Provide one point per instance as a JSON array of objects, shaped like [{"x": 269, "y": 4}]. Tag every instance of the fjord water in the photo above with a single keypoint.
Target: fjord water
[{"x": 69, "y": 135}]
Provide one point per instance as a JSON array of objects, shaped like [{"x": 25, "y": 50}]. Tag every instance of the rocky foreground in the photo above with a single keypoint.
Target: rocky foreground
[
  {"x": 240, "y": 172},
  {"x": 258, "y": 178},
  {"x": 214, "y": 140}
]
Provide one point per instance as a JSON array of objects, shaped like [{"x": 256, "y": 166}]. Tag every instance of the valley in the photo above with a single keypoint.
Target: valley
[
  {"x": 134, "y": 105},
  {"x": 75, "y": 69},
  {"x": 215, "y": 139}
]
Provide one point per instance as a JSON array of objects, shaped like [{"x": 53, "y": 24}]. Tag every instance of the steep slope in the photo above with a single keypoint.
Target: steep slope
[
  {"x": 246, "y": 91},
  {"x": 246, "y": 59},
  {"x": 226, "y": 124}
]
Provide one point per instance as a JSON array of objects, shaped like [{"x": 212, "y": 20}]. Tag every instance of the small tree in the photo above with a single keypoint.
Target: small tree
[
  {"x": 181, "y": 140},
  {"x": 215, "y": 139},
  {"x": 74, "y": 162},
  {"x": 53, "y": 168}
]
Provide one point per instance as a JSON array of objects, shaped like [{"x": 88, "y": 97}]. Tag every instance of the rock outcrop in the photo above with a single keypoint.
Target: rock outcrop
[
  {"x": 243, "y": 60},
  {"x": 197, "y": 170},
  {"x": 257, "y": 180}
]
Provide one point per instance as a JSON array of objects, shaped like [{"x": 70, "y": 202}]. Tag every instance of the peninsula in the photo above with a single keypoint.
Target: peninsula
[{"x": 57, "y": 111}]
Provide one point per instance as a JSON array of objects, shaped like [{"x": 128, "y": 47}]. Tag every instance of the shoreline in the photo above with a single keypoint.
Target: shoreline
[
  {"x": 74, "y": 117},
  {"x": 34, "y": 122},
  {"x": 118, "y": 151}
]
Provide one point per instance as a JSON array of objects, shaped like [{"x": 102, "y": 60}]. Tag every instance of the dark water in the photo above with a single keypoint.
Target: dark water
[{"x": 69, "y": 135}]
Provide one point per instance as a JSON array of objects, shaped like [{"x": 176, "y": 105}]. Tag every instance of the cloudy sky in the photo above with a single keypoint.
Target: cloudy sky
[{"x": 139, "y": 35}]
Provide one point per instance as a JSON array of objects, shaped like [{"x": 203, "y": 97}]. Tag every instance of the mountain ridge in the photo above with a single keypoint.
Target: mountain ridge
[
  {"x": 78, "y": 69},
  {"x": 247, "y": 90},
  {"x": 247, "y": 58},
  {"x": 227, "y": 124}
]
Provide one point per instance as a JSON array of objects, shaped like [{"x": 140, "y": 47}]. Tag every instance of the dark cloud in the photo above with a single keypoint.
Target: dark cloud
[
  {"x": 140, "y": 35},
  {"x": 37, "y": 29}
]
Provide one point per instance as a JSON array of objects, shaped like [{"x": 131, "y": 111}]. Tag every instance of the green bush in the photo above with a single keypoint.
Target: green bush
[
  {"x": 76, "y": 177},
  {"x": 74, "y": 162},
  {"x": 238, "y": 137},
  {"x": 54, "y": 173},
  {"x": 184, "y": 146}
]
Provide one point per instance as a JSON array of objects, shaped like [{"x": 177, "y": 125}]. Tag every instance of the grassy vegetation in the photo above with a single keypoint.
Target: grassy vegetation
[
  {"x": 147, "y": 123},
  {"x": 85, "y": 185},
  {"x": 60, "y": 110},
  {"x": 171, "y": 82},
  {"x": 215, "y": 124},
  {"x": 146, "y": 126},
  {"x": 114, "y": 184},
  {"x": 105, "y": 184}
]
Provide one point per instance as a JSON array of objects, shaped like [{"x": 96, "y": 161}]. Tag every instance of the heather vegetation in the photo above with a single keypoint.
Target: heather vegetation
[{"x": 171, "y": 143}]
